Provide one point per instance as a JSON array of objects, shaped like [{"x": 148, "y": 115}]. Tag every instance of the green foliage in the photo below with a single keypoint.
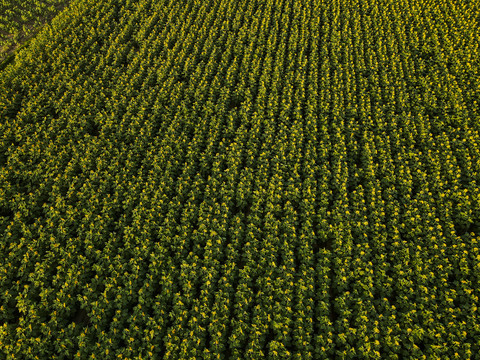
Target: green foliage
[
  {"x": 277, "y": 179},
  {"x": 20, "y": 19}
]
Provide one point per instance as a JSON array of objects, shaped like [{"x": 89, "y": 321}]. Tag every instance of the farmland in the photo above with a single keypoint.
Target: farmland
[
  {"x": 21, "y": 19},
  {"x": 233, "y": 179}
]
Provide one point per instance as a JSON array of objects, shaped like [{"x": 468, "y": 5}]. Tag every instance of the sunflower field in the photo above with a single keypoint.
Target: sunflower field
[{"x": 242, "y": 179}]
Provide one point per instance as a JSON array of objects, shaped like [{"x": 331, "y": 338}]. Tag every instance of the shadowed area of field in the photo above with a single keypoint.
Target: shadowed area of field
[{"x": 19, "y": 24}]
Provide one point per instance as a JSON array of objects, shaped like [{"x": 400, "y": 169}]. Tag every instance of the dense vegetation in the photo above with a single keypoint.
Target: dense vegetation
[
  {"x": 20, "y": 19},
  {"x": 243, "y": 179}
]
